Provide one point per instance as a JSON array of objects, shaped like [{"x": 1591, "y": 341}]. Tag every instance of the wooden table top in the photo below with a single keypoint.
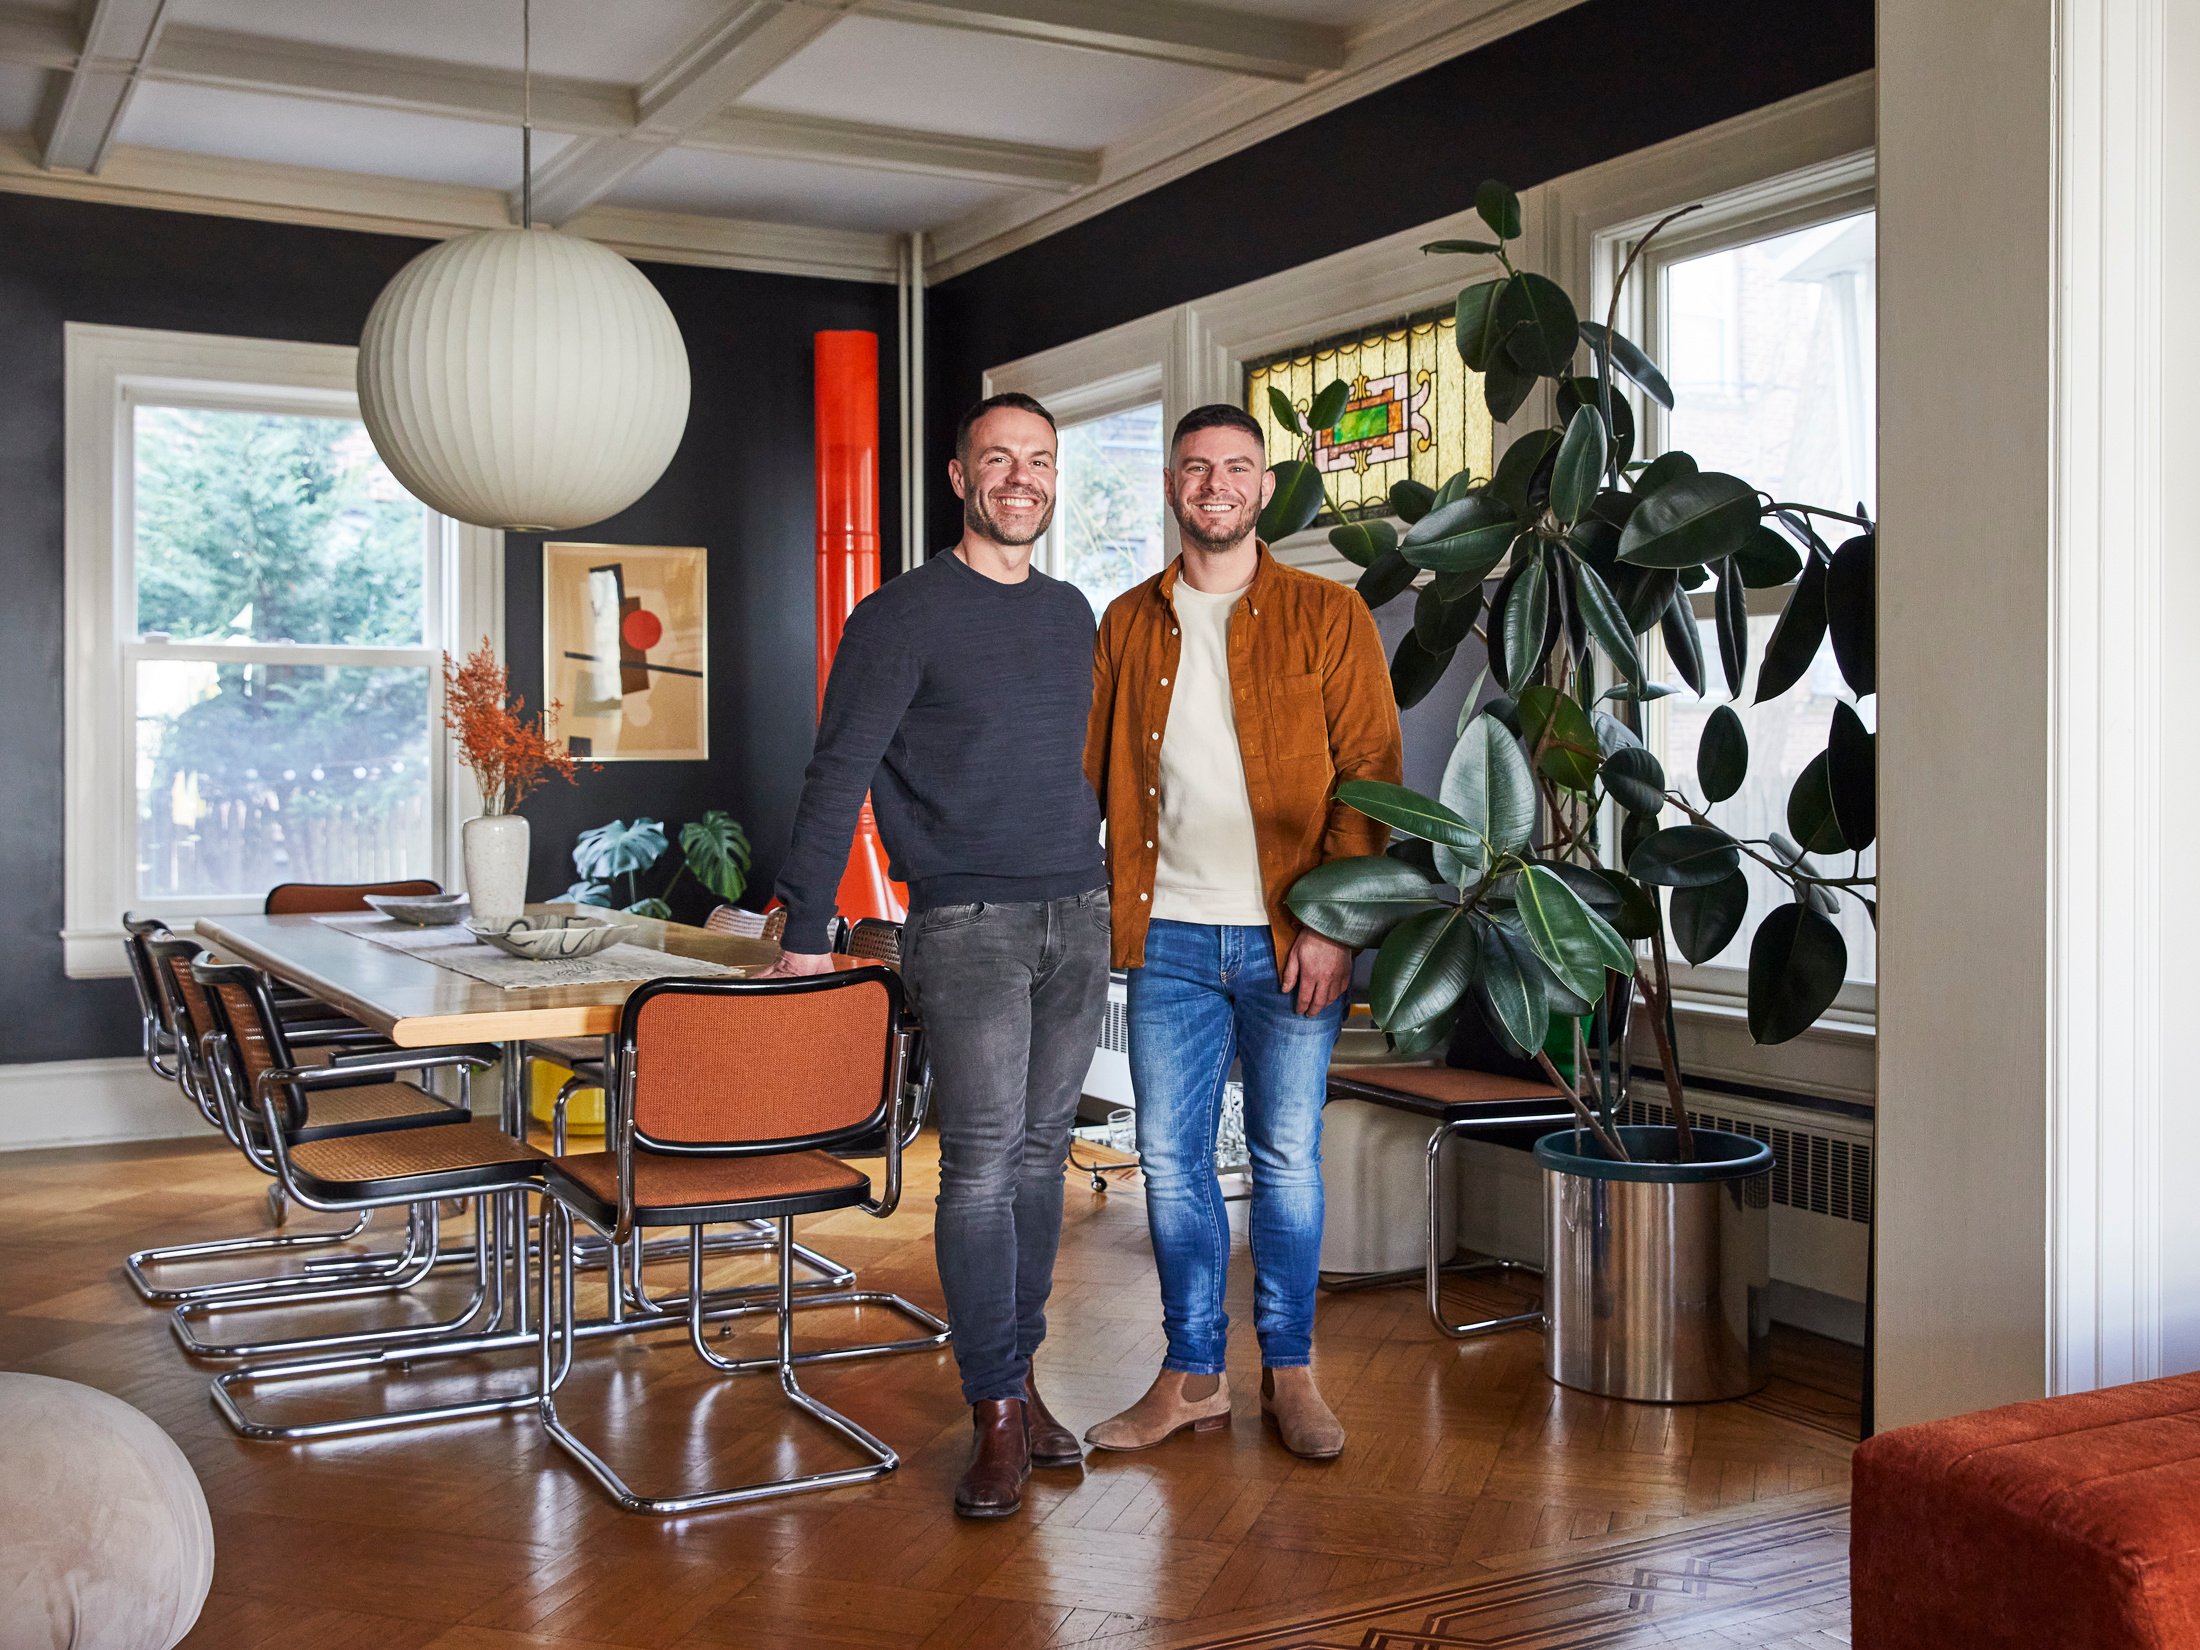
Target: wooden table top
[{"x": 417, "y": 1004}]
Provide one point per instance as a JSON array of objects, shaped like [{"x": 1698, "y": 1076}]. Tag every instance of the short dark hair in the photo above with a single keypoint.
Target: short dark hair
[
  {"x": 1216, "y": 415},
  {"x": 993, "y": 403}
]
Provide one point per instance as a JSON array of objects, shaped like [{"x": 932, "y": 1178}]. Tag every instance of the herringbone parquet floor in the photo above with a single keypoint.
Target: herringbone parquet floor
[{"x": 1466, "y": 1469}]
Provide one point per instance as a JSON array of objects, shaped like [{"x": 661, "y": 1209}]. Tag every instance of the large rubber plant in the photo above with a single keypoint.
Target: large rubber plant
[{"x": 1557, "y": 868}]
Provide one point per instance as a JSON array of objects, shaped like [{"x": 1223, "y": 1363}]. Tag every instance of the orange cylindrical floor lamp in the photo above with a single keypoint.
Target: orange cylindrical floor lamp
[{"x": 847, "y": 564}]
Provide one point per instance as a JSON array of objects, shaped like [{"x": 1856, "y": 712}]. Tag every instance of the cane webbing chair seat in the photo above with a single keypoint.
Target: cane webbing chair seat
[
  {"x": 468, "y": 1156},
  {"x": 372, "y": 1107},
  {"x": 299, "y": 899},
  {"x": 681, "y": 1191},
  {"x": 1436, "y": 1089}
]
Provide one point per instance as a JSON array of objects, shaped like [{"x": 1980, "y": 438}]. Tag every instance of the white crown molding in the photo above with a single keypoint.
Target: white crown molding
[
  {"x": 1168, "y": 31},
  {"x": 1408, "y": 39},
  {"x": 169, "y": 181}
]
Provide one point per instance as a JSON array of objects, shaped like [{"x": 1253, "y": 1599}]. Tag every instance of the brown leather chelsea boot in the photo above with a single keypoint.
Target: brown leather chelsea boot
[
  {"x": 1052, "y": 1444},
  {"x": 993, "y": 1484}
]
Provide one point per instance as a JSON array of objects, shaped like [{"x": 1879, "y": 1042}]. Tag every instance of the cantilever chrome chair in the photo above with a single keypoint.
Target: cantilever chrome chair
[
  {"x": 588, "y": 1059},
  {"x": 1457, "y": 1102},
  {"x": 248, "y": 1055},
  {"x": 177, "y": 1026},
  {"x": 730, "y": 1101}
]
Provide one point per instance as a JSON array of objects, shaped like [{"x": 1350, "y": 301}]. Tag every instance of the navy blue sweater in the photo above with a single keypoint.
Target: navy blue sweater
[{"x": 960, "y": 704}]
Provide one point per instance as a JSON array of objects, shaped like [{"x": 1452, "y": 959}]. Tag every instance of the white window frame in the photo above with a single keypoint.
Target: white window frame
[
  {"x": 109, "y": 372},
  {"x": 1772, "y": 206}
]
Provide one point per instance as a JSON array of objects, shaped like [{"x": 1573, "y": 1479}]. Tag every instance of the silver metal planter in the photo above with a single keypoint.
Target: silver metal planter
[{"x": 1659, "y": 1272}]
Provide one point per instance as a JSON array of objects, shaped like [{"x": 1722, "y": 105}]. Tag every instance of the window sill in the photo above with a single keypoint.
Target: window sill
[
  {"x": 93, "y": 954},
  {"x": 1836, "y": 1059}
]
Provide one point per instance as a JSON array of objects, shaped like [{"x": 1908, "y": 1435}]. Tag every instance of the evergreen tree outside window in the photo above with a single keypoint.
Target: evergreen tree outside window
[{"x": 277, "y": 665}]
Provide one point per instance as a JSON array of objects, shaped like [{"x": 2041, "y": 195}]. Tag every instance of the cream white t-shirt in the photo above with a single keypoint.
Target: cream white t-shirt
[{"x": 1208, "y": 867}]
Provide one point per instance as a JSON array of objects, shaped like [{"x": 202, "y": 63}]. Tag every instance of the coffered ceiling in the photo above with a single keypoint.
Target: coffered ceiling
[{"x": 781, "y": 133}]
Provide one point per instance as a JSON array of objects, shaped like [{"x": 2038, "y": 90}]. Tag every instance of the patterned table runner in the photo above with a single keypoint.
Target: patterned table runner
[{"x": 454, "y": 948}]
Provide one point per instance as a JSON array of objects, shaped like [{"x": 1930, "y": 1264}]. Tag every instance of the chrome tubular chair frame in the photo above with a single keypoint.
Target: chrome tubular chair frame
[
  {"x": 154, "y": 954},
  {"x": 1431, "y": 1272},
  {"x": 558, "y": 1312}
]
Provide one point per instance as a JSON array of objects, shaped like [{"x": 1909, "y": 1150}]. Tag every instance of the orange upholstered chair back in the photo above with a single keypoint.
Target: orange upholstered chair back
[
  {"x": 760, "y": 1065},
  {"x": 302, "y": 899}
]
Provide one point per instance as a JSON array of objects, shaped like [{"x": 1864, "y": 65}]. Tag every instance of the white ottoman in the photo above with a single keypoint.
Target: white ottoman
[{"x": 105, "y": 1542}]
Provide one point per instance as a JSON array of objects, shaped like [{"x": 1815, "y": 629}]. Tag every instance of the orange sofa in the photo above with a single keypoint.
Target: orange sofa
[{"x": 2068, "y": 1524}]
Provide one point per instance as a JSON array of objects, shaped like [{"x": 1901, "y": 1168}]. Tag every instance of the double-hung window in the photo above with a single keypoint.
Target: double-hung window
[
  {"x": 257, "y": 617},
  {"x": 1763, "y": 321}
]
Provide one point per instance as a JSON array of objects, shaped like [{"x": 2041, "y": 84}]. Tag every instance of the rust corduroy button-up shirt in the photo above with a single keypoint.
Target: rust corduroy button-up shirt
[{"x": 1311, "y": 692}]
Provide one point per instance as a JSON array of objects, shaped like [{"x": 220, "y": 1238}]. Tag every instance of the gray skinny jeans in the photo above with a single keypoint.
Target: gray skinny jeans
[{"x": 1012, "y": 997}]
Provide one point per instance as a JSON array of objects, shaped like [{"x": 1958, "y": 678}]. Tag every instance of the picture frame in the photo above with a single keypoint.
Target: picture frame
[{"x": 626, "y": 650}]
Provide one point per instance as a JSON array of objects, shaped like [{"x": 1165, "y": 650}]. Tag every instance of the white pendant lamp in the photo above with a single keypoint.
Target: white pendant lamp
[{"x": 522, "y": 378}]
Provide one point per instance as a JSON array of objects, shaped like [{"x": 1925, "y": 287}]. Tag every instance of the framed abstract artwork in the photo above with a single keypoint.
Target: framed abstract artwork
[{"x": 626, "y": 650}]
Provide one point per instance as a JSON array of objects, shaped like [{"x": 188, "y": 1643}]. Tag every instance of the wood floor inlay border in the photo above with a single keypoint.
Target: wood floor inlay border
[{"x": 1765, "y": 1579}]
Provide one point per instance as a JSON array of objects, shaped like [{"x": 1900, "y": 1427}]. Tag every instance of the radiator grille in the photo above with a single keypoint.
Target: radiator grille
[
  {"x": 1115, "y": 1030},
  {"x": 1822, "y": 1174}
]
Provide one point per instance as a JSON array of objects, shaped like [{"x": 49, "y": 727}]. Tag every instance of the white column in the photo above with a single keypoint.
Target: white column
[{"x": 2033, "y": 1225}]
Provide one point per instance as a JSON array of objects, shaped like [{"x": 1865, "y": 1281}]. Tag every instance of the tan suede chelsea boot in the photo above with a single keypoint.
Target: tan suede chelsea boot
[
  {"x": 1174, "y": 1401},
  {"x": 1293, "y": 1405}
]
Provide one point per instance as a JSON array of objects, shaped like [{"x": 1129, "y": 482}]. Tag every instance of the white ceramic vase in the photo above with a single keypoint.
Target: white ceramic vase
[{"x": 496, "y": 866}]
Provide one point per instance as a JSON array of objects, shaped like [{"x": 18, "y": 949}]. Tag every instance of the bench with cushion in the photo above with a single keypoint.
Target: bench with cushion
[
  {"x": 2065, "y": 1522},
  {"x": 1455, "y": 1101}
]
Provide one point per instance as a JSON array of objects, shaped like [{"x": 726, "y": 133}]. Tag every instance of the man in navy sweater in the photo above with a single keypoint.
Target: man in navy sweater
[{"x": 958, "y": 699}]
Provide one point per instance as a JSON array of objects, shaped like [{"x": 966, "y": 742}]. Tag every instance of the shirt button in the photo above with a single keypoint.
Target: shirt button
[
  {"x": 1149, "y": 844},
  {"x": 1150, "y": 791},
  {"x": 1141, "y": 896},
  {"x": 1173, "y": 630},
  {"x": 1164, "y": 681},
  {"x": 1157, "y": 736}
]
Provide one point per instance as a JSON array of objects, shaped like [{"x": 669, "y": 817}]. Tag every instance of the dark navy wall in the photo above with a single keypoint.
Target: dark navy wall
[{"x": 741, "y": 485}]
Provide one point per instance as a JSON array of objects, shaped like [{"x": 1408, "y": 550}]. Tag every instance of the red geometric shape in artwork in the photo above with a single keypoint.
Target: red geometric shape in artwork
[{"x": 642, "y": 630}]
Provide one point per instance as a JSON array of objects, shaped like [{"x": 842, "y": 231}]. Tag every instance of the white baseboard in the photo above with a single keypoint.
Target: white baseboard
[{"x": 90, "y": 1103}]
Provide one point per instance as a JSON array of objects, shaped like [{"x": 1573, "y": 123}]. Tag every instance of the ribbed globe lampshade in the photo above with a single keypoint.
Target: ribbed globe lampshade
[{"x": 523, "y": 379}]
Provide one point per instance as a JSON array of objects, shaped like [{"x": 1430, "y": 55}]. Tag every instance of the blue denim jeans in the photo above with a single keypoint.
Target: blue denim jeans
[{"x": 1206, "y": 996}]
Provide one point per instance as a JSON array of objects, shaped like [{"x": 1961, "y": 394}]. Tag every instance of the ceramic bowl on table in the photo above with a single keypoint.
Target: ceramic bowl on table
[
  {"x": 421, "y": 910},
  {"x": 550, "y": 938}
]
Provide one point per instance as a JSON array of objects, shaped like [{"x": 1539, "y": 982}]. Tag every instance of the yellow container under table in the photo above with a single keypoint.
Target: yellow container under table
[{"x": 583, "y": 1113}]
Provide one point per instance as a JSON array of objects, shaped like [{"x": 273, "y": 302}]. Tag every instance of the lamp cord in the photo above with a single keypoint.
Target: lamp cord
[{"x": 526, "y": 114}]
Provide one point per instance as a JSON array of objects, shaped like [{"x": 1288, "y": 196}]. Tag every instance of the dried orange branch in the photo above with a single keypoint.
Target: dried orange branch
[{"x": 507, "y": 754}]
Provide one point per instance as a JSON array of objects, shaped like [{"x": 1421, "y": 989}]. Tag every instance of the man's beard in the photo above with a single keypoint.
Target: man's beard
[
  {"x": 1209, "y": 533},
  {"x": 980, "y": 520}
]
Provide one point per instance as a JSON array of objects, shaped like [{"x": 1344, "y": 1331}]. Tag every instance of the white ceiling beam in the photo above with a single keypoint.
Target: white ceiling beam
[
  {"x": 230, "y": 61},
  {"x": 751, "y": 40},
  {"x": 895, "y": 149},
  {"x": 82, "y": 121},
  {"x": 1171, "y": 31},
  {"x": 225, "y": 60}
]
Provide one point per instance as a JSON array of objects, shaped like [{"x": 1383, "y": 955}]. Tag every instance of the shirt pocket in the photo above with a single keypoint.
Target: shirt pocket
[{"x": 1298, "y": 720}]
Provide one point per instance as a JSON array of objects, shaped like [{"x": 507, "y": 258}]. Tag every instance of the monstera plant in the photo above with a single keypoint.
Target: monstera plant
[
  {"x": 714, "y": 852},
  {"x": 1558, "y": 865}
]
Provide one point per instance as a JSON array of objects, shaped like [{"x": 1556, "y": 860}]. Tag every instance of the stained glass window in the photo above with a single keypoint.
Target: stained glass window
[{"x": 1415, "y": 413}]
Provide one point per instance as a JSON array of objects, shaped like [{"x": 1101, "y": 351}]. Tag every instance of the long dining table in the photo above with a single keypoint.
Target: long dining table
[{"x": 417, "y": 1003}]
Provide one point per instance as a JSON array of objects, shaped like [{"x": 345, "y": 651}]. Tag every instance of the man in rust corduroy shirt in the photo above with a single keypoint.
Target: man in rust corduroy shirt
[{"x": 1231, "y": 695}]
